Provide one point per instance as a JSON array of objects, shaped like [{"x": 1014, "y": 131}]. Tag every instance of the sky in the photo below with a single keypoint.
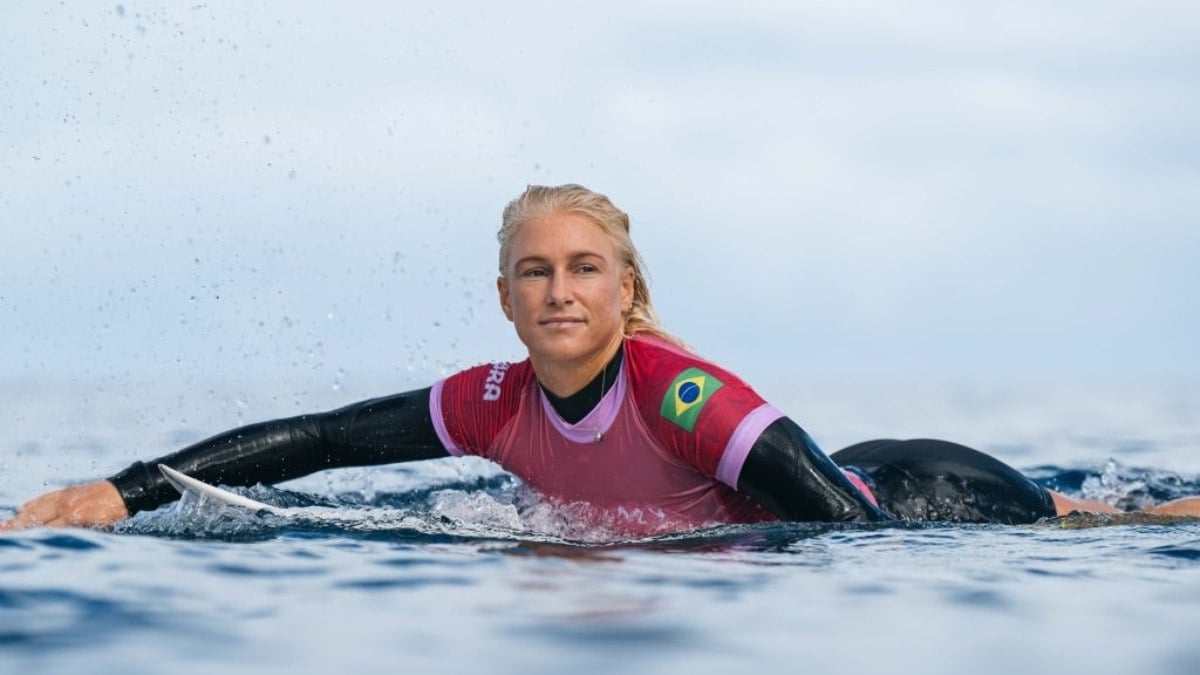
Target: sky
[{"x": 288, "y": 192}]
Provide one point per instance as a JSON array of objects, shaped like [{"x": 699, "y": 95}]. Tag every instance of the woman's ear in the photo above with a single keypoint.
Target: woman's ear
[{"x": 502, "y": 289}]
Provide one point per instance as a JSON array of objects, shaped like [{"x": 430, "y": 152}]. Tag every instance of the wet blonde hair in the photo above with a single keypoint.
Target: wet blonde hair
[{"x": 542, "y": 200}]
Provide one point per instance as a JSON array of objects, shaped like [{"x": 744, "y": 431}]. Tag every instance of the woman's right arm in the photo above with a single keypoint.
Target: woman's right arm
[{"x": 384, "y": 430}]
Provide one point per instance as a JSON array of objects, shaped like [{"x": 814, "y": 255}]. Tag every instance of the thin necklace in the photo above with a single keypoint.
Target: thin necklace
[{"x": 603, "y": 375}]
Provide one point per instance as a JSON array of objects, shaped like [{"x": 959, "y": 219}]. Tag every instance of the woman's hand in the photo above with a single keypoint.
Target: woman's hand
[{"x": 90, "y": 505}]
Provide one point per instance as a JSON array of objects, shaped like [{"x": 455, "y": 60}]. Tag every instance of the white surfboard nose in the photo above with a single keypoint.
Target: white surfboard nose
[{"x": 186, "y": 484}]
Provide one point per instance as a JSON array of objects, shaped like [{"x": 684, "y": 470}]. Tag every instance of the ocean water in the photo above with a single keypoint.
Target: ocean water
[{"x": 451, "y": 566}]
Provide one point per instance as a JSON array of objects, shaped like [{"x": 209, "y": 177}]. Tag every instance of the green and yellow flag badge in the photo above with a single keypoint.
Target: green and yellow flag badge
[{"x": 687, "y": 395}]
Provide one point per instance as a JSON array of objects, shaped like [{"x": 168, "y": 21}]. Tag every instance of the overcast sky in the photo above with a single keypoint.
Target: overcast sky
[{"x": 282, "y": 191}]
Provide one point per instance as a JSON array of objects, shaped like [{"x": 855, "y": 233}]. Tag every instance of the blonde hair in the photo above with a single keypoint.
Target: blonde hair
[{"x": 541, "y": 200}]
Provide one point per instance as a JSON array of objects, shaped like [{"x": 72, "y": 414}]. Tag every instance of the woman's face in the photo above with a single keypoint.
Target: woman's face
[{"x": 565, "y": 290}]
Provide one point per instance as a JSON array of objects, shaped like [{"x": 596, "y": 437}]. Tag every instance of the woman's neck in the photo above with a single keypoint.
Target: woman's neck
[{"x": 575, "y": 407}]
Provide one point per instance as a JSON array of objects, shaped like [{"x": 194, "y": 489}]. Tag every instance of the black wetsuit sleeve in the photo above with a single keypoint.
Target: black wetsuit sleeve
[
  {"x": 788, "y": 474},
  {"x": 395, "y": 428}
]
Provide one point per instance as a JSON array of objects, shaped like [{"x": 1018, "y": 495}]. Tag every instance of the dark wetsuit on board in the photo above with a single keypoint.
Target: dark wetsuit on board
[
  {"x": 783, "y": 470},
  {"x": 926, "y": 480}
]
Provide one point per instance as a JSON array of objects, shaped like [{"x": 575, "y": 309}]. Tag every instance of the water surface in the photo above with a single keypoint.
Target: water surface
[{"x": 448, "y": 567}]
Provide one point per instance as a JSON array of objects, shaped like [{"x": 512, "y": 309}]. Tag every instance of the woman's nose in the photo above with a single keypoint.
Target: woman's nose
[{"x": 559, "y": 291}]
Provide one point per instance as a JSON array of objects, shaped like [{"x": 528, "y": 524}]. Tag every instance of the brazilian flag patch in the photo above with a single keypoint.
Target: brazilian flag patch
[{"x": 687, "y": 395}]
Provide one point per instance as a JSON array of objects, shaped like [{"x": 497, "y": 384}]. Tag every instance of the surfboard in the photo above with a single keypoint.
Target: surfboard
[
  {"x": 186, "y": 484},
  {"x": 363, "y": 518}
]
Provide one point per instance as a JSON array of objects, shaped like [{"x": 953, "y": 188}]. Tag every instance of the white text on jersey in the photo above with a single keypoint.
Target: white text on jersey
[{"x": 491, "y": 386}]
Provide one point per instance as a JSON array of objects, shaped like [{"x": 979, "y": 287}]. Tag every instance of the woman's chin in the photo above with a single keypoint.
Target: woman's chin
[
  {"x": 558, "y": 354},
  {"x": 563, "y": 349}
]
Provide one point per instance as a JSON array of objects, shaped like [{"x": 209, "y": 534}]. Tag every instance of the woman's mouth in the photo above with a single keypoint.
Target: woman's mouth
[{"x": 561, "y": 322}]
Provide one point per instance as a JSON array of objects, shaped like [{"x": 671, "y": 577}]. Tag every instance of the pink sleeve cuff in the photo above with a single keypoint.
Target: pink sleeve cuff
[
  {"x": 439, "y": 422},
  {"x": 738, "y": 447}
]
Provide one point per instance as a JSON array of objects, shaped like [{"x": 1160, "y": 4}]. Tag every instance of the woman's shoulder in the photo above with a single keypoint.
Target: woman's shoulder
[
  {"x": 691, "y": 405},
  {"x": 655, "y": 359},
  {"x": 489, "y": 381}
]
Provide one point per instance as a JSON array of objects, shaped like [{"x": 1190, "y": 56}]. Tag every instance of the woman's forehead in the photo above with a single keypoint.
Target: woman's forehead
[{"x": 559, "y": 234}]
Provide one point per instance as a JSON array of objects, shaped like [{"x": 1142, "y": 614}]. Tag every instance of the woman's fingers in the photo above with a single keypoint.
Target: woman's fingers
[
  {"x": 20, "y": 521},
  {"x": 32, "y": 513},
  {"x": 1185, "y": 506}
]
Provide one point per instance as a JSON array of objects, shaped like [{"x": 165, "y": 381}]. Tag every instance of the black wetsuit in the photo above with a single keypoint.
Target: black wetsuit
[{"x": 926, "y": 480}]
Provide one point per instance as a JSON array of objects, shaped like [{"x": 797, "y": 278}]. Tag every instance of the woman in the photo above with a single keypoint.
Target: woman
[{"x": 608, "y": 410}]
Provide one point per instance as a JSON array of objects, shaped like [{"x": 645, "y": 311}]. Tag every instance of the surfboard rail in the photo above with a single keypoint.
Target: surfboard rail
[{"x": 185, "y": 484}]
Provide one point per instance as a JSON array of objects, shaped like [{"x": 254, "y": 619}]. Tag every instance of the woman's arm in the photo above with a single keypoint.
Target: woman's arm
[
  {"x": 789, "y": 475},
  {"x": 377, "y": 431}
]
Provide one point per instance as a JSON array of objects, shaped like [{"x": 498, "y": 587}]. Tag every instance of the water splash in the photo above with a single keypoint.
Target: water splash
[
  {"x": 500, "y": 509},
  {"x": 1125, "y": 487},
  {"x": 1129, "y": 488}
]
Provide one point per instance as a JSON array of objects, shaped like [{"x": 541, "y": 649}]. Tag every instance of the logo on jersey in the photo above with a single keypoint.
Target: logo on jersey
[
  {"x": 687, "y": 395},
  {"x": 491, "y": 386}
]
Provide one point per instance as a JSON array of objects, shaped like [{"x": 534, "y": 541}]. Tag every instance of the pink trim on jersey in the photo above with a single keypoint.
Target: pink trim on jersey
[
  {"x": 439, "y": 422},
  {"x": 599, "y": 420},
  {"x": 738, "y": 447}
]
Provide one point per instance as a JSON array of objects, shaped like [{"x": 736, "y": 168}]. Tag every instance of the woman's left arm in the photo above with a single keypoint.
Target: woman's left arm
[{"x": 791, "y": 477}]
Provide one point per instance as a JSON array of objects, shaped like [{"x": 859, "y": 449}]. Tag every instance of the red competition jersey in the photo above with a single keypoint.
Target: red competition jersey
[{"x": 665, "y": 444}]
